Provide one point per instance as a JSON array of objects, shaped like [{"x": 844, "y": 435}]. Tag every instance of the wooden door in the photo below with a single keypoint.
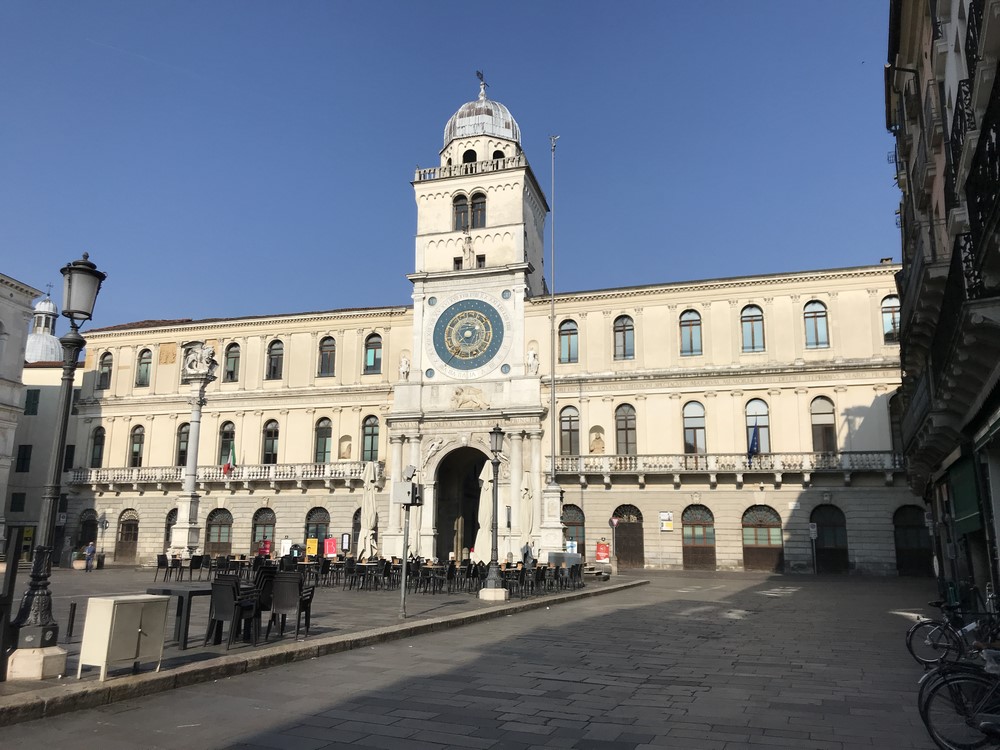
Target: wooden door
[
  {"x": 629, "y": 545},
  {"x": 128, "y": 540}
]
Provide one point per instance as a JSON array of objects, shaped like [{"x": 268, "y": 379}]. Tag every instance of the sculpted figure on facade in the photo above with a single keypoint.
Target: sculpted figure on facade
[
  {"x": 404, "y": 368},
  {"x": 467, "y": 397},
  {"x": 432, "y": 449},
  {"x": 532, "y": 363}
]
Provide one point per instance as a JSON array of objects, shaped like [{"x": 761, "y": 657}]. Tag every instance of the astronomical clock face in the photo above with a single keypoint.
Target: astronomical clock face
[{"x": 468, "y": 336}]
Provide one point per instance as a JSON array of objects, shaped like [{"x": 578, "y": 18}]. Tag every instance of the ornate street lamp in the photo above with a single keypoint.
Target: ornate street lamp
[
  {"x": 36, "y": 629},
  {"x": 496, "y": 448}
]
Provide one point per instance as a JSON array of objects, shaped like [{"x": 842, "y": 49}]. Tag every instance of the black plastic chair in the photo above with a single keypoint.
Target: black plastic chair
[
  {"x": 350, "y": 573},
  {"x": 162, "y": 564},
  {"x": 290, "y": 598},
  {"x": 193, "y": 564},
  {"x": 232, "y": 606}
]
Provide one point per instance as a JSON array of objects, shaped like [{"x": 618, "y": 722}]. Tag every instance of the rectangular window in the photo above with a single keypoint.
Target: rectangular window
[
  {"x": 68, "y": 457},
  {"x": 480, "y": 261},
  {"x": 23, "y": 463},
  {"x": 63, "y": 503},
  {"x": 17, "y": 501},
  {"x": 456, "y": 264},
  {"x": 76, "y": 399},
  {"x": 31, "y": 397}
]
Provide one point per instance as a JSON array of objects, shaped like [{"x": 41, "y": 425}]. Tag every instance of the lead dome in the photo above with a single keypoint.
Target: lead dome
[
  {"x": 42, "y": 344},
  {"x": 482, "y": 117}
]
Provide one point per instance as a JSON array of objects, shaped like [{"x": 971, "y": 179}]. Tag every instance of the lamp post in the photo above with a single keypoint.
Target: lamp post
[
  {"x": 36, "y": 628},
  {"x": 102, "y": 524},
  {"x": 496, "y": 447}
]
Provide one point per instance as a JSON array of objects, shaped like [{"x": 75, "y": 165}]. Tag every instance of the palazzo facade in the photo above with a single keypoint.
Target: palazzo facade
[{"x": 727, "y": 423}]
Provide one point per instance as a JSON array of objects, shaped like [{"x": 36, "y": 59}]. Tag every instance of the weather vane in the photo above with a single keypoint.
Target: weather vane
[{"x": 481, "y": 77}]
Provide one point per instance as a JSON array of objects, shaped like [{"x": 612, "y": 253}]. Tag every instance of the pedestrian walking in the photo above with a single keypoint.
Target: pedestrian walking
[{"x": 88, "y": 553}]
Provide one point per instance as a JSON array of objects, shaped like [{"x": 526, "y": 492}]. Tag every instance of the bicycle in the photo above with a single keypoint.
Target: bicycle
[
  {"x": 960, "y": 704},
  {"x": 933, "y": 641}
]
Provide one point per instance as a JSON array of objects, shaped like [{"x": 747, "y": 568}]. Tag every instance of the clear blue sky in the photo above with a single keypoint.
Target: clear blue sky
[{"x": 232, "y": 158}]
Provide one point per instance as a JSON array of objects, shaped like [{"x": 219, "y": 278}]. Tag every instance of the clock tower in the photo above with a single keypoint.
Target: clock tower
[{"x": 478, "y": 258}]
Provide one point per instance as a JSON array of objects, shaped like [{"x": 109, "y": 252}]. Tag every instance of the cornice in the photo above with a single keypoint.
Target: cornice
[
  {"x": 737, "y": 282},
  {"x": 215, "y": 324}
]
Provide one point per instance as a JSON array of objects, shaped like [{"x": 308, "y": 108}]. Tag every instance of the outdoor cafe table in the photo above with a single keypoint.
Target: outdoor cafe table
[{"x": 182, "y": 619}]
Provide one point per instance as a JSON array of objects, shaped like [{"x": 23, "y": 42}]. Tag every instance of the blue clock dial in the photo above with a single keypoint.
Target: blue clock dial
[{"x": 468, "y": 334}]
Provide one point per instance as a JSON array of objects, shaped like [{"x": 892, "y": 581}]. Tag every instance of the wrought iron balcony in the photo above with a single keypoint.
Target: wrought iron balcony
[
  {"x": 982, "y": 188},
  {"x": 476, "y": 167},
  {"x": 675, "y": 467},
  {"x": 924, "y": 170},
  {"x": 963, "y": 121},
  {"x": 972, "y": 30},
  {"x": 330, "y": 476}
]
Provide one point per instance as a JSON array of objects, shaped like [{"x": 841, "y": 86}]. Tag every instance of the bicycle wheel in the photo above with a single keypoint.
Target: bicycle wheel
[
  {"x": 930, "y": 642},
  {"x": 940, "y": 673},
  {"x": 952, "y": 707}
]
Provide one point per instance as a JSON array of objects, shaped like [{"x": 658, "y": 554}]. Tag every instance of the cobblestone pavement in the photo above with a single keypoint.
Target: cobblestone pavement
[{"x": 694, "y": 660}]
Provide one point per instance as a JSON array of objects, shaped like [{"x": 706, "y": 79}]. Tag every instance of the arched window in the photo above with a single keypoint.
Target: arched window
[
  {"x": 817, "y": 332},
  {"x": 104, "y": 371},
  {"x": 469, "y": 157},
  {"x": 317, "y": 524},
  {"x": 227, "y": 442},
  {"x": 569, "y": 431},
  {"x": 824, "y": 430},
  {"x": 758, "y": 427},
  {"x": 573, "y": 526},
  {"x": 890, "y": 320},
  {"x": 568, "y": 342},
  {"x": 369, "y": 439},
  {"x": 138, "y": 437},
  {"x": 219, "y": 532},
  {"x": 461, "y": 210},
  {"x": 324, "y": 441},
  {"x": 97, "y": 448},
  {"x": 624, "y": 338},
  {"x": 499, "y": 155},
  {"x": 478, "y": 211},
  {"x": 231, "y": 372},
  {"x": 752, "y": 323},
  {"x": 762, "y": 542},
  {"x": 142, "y": 367},
  {"x": 270, "y": 453},
  {"x": 694, "y": 427},
  {"x": 327, "y": 357},
  {"x": 183, "y": 436},
  {"x": 373, "y": 354},
  {"x": 263, "y": 527},
  {"x": 690, "y": 333},
  {"x": 625, "y": 430},
  {"x": 275, "y": 360}
]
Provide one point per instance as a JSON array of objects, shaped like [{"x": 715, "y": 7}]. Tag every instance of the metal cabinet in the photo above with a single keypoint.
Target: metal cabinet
[{"x": 123, "y": 630}]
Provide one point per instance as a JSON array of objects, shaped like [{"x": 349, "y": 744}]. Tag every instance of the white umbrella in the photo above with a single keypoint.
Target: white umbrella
[
  {"x": 365, "y": 544},
  {"x": 484, "y": 537}
]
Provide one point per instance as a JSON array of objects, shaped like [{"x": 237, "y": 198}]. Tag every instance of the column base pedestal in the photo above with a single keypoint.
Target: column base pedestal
[
  {"x": 36, "y": 663},
  {"x": 494, "y": 595}
]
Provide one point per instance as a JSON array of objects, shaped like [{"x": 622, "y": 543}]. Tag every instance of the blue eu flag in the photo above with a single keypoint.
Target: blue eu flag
[{"x": 754, "y": 448}]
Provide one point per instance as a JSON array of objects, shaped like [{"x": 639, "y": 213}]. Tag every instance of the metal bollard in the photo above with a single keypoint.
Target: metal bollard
[{"x": 72, "y": 617}]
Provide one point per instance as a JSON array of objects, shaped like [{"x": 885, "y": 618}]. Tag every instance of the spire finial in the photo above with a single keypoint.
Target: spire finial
[
  {"x": 48, "y": 290},
  {"x": 482, "y": 84}
]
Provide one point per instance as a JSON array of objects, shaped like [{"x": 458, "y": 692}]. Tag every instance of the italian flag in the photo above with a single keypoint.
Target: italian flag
[{"x": 227, "y": 468}]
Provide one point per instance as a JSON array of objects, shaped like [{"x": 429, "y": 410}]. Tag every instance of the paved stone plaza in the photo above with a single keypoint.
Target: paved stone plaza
[{"x": 693, "y": 660}]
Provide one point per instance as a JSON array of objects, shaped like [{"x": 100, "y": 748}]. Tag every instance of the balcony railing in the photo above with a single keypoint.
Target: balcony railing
[
  {"x": 982, "y": 188},
  {"x": 918, "y": 404},
  {"x": 924, "y": 170},
  {"x": 962, "y": 122},
  {"x": 918, "y": 255},
  {"x": 335, "y": 473},
  {"x": 476, "y": 167},
  {"x": 676, "y": 464},
  {"x": 972, "y": 30}
]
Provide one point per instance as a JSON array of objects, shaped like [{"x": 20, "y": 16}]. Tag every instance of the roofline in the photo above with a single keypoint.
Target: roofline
[{"x": 730, "y": 281}]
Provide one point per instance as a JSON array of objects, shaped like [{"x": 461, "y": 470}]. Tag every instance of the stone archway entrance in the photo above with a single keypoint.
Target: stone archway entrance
[{"x": 457, "y": 501}]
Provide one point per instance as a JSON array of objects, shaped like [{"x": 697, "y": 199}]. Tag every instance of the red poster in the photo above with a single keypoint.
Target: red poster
[
  {"x": 265, "y": 547},
  {"x": 330, "y": 547},
  {"x": 603, "y": 552}
]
